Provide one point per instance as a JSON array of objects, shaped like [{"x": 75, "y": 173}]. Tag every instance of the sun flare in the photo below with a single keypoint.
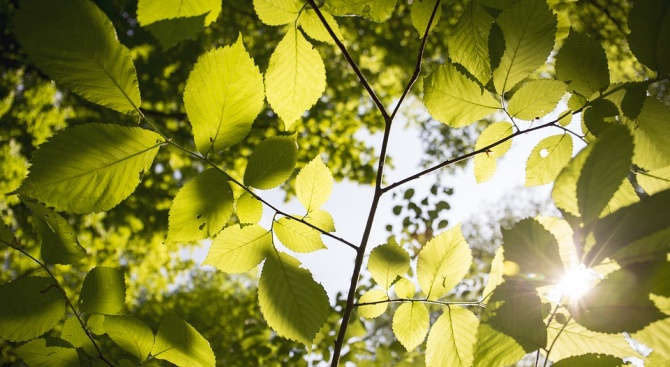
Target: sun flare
[{"x": 576, "y": 282}]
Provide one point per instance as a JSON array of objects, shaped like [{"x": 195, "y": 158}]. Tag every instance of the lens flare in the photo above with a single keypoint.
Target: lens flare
[{"x": 576, "y": 282}]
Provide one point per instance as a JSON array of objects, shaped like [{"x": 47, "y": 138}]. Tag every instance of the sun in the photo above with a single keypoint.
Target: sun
[{"x": 576, "y": 282}]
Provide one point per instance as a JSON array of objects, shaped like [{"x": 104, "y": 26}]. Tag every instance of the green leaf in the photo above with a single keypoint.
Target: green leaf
[
  {"x": 485, "y": 164},
  {"x": 59, "y": 241},
  {"x": 375, "y": 10},
  {"x": 620, "y": 302},
  {"x": 103, "y": 291},
  {"x": 655, "y": 359},
  {"x": 297, "y": 236},
  {"x": 529, "y": 28},
  {"x": 278, "y": 12},
  {"x": 96, "y": 324},
  {"x": 313, "y": 27},
  {"x": 536, "y": 99},
  {"x": 36, "y": 353},
  {"x": 295, "y": 78},
  {"x": 201, "y": 208},
  {"x": 248, "y": 209},
  {"x": 514, "y": 309},
  {"x": 656, "y": 336},
  {"x": 649, "y": 248},
  {"x": 454, "y": 99},
  {"x": 180, "y": 343},
  {"x": 77, "y": 336},
  {"x": 76, "y": 45},
  {"x": 590, "y": 360},
  {"x": 494, "y": 348},
  {"x": 565, "y": 187},
  {"x": 581, "y": 63},
  {"x": 652, "y": 135},
  {"x": 29, "y": 307},
  {"x": 238, "y": 250},
  {"x": 547, "y": 159},
  {"x": 629, "y": 224},
  {"x": 404, "y": 288},
  {"x": 169, "y": 32},
  {"x": 599, "y": 116},
  {"x": 451, "y": 340},
  {"x": 6, "y": 235},
  {"x": 496, "y": 274},
  {"x": 628, "y": 97},
  {"x": 131, "y": 334},
  {"x": 387, "y": 262},
  {"x": 420, "y": 12},
  {"x": 223, "y": 95},
  {"x": 314, "y": 184},
  {"x": 271, "y": 163},
  {"x": 649, "y": 23},
  {"x": 293, "y": 304},
  {"x": 375, "y": 310},
  {"x": 654, "y": 181},
  {"x": 90, "y": 168},
  {"x": 469, "y": 44},
  {"x": 573, "y": 339},
  {"x": 321, "y": 219},
  {"x": 151, "y": 11},
  {"x": 443, "y": 262},
  {"x": 534, "y": 250},
  {"x": 604, "y": 170},
  {"x": 623, "y": 197},
  {"x": 410, "y": 324}
]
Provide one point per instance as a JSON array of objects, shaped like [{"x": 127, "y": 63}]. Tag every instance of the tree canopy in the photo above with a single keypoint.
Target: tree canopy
[{"x": 135, "y": 131}]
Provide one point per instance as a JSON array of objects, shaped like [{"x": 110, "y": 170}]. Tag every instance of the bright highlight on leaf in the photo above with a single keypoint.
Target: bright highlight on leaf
[
  {"x": 99, "y": 165},
  {"x": 485, "y": 164},
  {"x": 298, "y": 236},
  {"x": 76, "y": 45},
  {"x": 178, "y": 342},
  {"x": 293, "y": 304},
  {"x": 239, "y": 249},
  {"x": 201, "y": 208},
  {"x": 222, "y": 97},
  {"x": 314, "y": 184},
  {"x": 277, "y": 12},
  {"x": 296, "y": 77},
  {"x": 404, "y": 288},
  {"x": 410, "y": 324},
  {"x": 271, "y": 163}
]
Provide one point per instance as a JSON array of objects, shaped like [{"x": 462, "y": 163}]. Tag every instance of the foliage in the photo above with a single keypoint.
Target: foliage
[{"x": 135, "y": 183}]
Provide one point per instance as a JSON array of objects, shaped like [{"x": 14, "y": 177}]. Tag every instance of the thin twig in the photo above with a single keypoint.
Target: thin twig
[{"x": 422, "y": 300}]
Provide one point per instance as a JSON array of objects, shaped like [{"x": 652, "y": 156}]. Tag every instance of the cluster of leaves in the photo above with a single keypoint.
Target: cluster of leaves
[{"x": 610, "y": 194}]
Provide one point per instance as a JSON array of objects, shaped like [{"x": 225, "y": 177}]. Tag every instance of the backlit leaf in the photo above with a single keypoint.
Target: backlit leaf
[
  {"x": 529, "y": 28},
  {"x": 201, "y": 208},
  {"x": 454, "y": 99},
  {"x": 387, "y": 262},
  {"x": 169, "y": 32},
  {"x": 298, "y": 236},
  {"x": 29, "y": 307},
  {"x": 494, "y": 348},
  {"x": 90, "y": 168},
  {"x": 652, "y": 135},
  {"x": 6, "y": 235},
  {"x": 656, "y": 336},
  {"x": 131, "y": 334},
  {"x": 649, "y": 23},
  {"x": 375, "y": 310},
  {"x": 443, "y": 262},
  {"x": 314, "y": 28},
  {"x": 496, "y": 273},
  {"x": 420, "y": 12},
  {"x": 96, "y": 324},
  {"x": 314, "y": 184},
  {"x": 278, "y": 12},
  {"x": 469, "y": 45},
  {"x": 59, "y": 241},
  {"x": 295, "y": 78},
  {"x": 271, "y": 163},
  {"x": 654, "y": 181},
  {"x": 565, "y": 187},
  {"x": 239, "y": 249},
  {"x": 77, "y": 336},
  {"x": 485, "y": 164},
  {"x": 547, "y": 159},
  {"x": 573, "y": 340},
  {"x": 37, "y": 354},
  {"x": 410, "y": 324},
  {"x": 535, "y": 99},
  {"x": 223, "y": 95},
  {"x": 248, "y": 208},
  {"x": 180, "y": 343},
  {"x": 582, "y": 65},
  {"x": 404, "y": 288},
  {"x": 375, "y": 10},
  {"x": 321, "y": 219},
  {"x": 103, "y": 291},
  {"x": 151, "y": 11},
  {"x": 590, "y": 360},
  {"x": 451, "y": 340},
  {"x": 604, "y": 170},
  {"x": 76, "y": 45},
  {"x": 293, "y": 304}
]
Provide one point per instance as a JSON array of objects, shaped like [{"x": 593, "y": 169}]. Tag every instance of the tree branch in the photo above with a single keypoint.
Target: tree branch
[{"x": 424, "y": 300}]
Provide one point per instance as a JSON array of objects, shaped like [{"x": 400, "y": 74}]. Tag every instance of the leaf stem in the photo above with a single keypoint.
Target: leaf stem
[{"x": 423, "y": 300}]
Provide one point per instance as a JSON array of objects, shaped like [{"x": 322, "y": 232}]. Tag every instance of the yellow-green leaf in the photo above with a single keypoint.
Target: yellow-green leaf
[
  {"x": 223, "y": 95},
  {"x": 314, "y": 28},
  {"x": 298, "y": 236},
  {"x": 248, "y": 208},
  {"x": 404, "y": 288},
  {"x": 374, "y": 310},
  {"x": 650, "y": 34},
  {"x": 456, "y": 100},
  {"x": 564, "y": 192},
  {"x": 278, "y": 12},
  {"x": 293, "y": 304},
  {"x": 387, "y": 262},
  {"x": 547, "y": 159},
  {"x": 485, "y": 164},
  {"x": 652, "y": 135},
  {"x": 296, "y": 77},
  {"x": 443, "y": 262},
  {"x": 410, "y": 324},
  {"x": 535, "y": 99},
  {"x": 239, "y": 249},
  {"x": 654, "y": 181},
  {"x": 375, "y": 10},
  {"x": 321, "y": 219},
  {"x": 90, "y": 168},
  {"x": 451, "y": 340},
  {"x": 37, "y": 353},
  {"x": 469, "y": 45},
  {"x": 103, "y": 291},
  {"x": 180, "y": 343},
  {"x": 76, "y": 45},
  {"x": 151, "y": 11},
  {"x": 582, "y": 64},
  {"x": 420, "y": 12},
  {"x": 271, "y": 163},
  {"x": 131, "y": 334},
  {"x": 201, "y": 208},
  {"x": 314, "y": 184}
]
